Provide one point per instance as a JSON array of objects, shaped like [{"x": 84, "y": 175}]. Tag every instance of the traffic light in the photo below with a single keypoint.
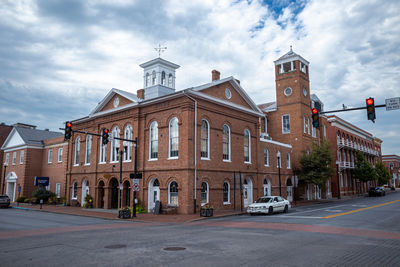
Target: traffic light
[
  {"x": 370, "y": 109},
  {"x": 105, "y": 136},
  {"x": 315, "y": 117},
  {"x": 68, "y": 130}
]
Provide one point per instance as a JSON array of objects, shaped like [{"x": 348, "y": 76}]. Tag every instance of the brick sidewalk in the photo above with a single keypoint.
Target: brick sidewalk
[{"x": 113, "y": 214}]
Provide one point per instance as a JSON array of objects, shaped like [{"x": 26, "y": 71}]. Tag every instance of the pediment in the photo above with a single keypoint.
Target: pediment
[
  {"x": 14, "y": 139},
  {"x": 115, "y": 99}
]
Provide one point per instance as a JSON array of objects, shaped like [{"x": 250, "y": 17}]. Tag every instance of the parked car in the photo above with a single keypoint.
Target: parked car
[
  {"x": 376, "y": 191},
  {"x": 4, "y": 201},
  {"x": 269, "y": 205}
]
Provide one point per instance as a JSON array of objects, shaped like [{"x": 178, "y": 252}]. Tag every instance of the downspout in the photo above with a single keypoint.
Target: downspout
[{"x": 195, "y": 150}]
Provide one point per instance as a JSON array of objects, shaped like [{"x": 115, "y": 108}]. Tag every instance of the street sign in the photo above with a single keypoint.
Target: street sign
[
  {"x": 393, "y": 103},
  {"x": 135, "y": 185}
]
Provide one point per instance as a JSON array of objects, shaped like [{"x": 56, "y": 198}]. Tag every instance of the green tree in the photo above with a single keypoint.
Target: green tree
[
  {"x": 316, "y": 167},
  {"x": 42, "y": 193},
  {"x": 363, "y": 170},
  {"x": 382, "y": 174}
]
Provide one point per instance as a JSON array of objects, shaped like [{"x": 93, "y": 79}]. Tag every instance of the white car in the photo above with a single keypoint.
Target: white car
[{"x": 269, "y": 205}]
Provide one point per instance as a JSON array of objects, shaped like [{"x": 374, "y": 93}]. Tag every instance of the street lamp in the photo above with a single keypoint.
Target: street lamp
[
  {"x": 278, "y": 155},
  {"x": 121, "y": 153},
  {"x": 4, "y": 177}
]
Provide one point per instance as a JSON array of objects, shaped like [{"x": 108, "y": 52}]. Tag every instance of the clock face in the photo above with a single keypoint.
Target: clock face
[
  {"x": 116, "y": 102},
  {"x": 287, "y": 91},
  {"x": 228, "y": 93},
  {"x": 304, "y": 91}
]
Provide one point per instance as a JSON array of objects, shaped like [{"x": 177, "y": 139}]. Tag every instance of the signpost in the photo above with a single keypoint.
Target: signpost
[
  {"x": 135, "y": 185},
  {"x": 392, "y": 103}
]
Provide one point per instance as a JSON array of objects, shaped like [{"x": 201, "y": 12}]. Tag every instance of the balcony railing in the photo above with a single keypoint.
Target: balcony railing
[{"x": 350, "y": 145}]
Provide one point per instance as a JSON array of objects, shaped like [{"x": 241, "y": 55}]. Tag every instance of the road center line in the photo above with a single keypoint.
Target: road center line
[{"x": 358, "y": 210}]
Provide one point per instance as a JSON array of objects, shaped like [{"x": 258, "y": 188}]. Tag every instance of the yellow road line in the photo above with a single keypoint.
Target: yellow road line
[{"x": 354, "y": 211}]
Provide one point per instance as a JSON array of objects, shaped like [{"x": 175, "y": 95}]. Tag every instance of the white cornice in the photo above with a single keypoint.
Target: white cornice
[
  {"x": 11, "y": 149},
  {"x": 275, "y": 143},
  {"x": 344, "y": 125}
]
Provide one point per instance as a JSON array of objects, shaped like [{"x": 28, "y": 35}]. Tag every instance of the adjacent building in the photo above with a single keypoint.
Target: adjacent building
[{"x": 392, "y": 163}]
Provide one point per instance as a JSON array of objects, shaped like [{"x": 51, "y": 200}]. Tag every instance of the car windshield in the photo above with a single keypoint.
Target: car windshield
[{"x": 264, "y": 200}]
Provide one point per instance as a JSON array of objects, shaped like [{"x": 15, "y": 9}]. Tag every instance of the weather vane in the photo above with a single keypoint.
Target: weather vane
[{"x": 160, "y": 49}]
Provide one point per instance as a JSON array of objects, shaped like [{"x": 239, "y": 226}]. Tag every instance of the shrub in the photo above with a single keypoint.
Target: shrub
[
  {"x": 27, "y": 200},
  {"x": 88, "y": 202},
  {"x": 21, "y": 199},
  {"x": 43, "y": 193}
]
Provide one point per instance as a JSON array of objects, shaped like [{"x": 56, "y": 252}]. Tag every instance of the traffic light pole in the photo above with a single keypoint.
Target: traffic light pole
[{"x": 350, "y": 109}]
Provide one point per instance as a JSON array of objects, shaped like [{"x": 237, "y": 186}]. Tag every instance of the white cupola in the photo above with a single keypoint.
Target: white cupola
[{"x": 158, "y": 78}]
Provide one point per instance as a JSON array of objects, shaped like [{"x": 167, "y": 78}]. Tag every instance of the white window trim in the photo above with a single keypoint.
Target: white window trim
[
  {"x": 169, "y": 139},
  {"x": 7, "y": 159},
  {"x": 58, "y": 186},
  {"x": 114, "y": 133},
  {"x": 128, "y": 135},
  {"x": 14, "y": 158},
  {"x": 208, "y": 140},
  {"x": 88, "y": 144},
  {"x": 102, "y": 152},
  {"x": 169, "y": 193},
  {"x": 304, "y": 124},
  {"x": 249, "y": 161},
  {"x": 21, "y": 156},
  {"x": 50, "y": 156},
  {"x": 60, "y": 152},
  {"x": 266, "y": 165},
  {"x": 229, "y": 194},
  {"x": 73, "y": 186},
  {"x": 77, "y": 151},
  {"x": 288, "y": 115},
  {"x": 229, "y": 144},
  {"x": 151, "y": 126},
  {"x": 288, "y": 163}
]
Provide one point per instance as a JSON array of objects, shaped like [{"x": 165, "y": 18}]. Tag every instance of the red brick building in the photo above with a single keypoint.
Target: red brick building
[
  {"x": 4, "y": 132},
  {"x": 392, "y": 163},
  {"x": 30, "y": 152},
  {"x": 190, "y": 144}
]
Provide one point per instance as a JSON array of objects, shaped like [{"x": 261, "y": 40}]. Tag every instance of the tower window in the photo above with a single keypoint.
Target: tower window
[
  {"x": 287, "y": 66},
  {"x": 170, "y": 80},
  {"x": 285, "y": 124},
  {"x": 287, "y": 91},
  {"x": 163, "y": 81},
  {"x": 153, "y": 78}
]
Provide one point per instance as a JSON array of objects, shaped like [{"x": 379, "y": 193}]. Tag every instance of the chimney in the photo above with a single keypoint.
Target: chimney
[
  {"x": 215, "y": 75},
  {"x": 140, "y": 94}
]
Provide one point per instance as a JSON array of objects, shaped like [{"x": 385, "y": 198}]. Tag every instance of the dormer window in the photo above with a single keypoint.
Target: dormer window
[
  {"x": 153, "y": 78},
  {"x": 163, "y": 82}
]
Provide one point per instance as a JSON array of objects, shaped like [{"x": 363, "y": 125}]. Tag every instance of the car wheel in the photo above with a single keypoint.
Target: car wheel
[
  {"x": 286, "y": 209},
  {"x": 270, "y": 210}
]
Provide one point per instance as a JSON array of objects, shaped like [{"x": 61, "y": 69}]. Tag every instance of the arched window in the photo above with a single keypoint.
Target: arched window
[
  {"x": 170, "y": 80},
  {"x": 88, "y": 149},
  {"x": 74, "y": 190},
  {"x": 128, "y": 145},
  {"x": 153, "y": 77},
  {"x": 205, "y": 136},
  {"x": 288, "y": 160},
  {"x": 103, "y": 151},
  {"x": 266, "y": 157},
  {"x": 163, "y": 80},
  {"x": 147, "y": 80},
  {"x": 173, "y": 194},
  {"x": 204, "y": 193},
  {"x": 227, "y": 193},
  {"x": 247, "y": 152},
  {"x": 115, "y": 145},
  {"x": 77, "y": 150},
  {"x": 173, "y": 138},
  {"x": 153, "y": 140},
  {"x": 226, "y": 143}
]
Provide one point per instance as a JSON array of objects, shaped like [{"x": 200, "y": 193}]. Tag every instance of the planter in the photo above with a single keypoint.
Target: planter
[
  {"x": 124, "y": 214},
  {"x": 206, "y": 212}
]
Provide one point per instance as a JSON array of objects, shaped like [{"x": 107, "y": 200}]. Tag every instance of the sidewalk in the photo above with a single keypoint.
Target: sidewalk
[{"x": 112, "y": 214}]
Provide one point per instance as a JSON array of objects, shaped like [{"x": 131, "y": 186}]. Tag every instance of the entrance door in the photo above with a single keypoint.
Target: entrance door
[
  {"x": 154, "y": 194},
  {"x": 11, "y": 190},
  {"x": 247, "y": 192},
  {"x": 289, "y": 193},
  {"x": 85, "y": 191}
]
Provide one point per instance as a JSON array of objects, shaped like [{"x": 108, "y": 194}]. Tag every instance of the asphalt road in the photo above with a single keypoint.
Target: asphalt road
[{"x": 359, "y": 232}]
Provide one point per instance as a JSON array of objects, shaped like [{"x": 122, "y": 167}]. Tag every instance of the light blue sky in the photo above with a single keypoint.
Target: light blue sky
[{"x": 59, "y": 58}]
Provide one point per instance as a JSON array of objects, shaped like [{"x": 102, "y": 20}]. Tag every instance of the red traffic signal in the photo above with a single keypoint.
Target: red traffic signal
[
  {"x": 315, "y": 117},
  {"x": 68, "y": 130},
  {"x": 370, "y": 109},
  {"x": 105, "y": 136}
]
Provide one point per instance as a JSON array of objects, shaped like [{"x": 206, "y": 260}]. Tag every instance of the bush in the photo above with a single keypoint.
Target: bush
[
  {"x": 53, "y": 200},
  {"x": 43, "y": 193},
  {"x": 27, "y": 200},
  {"x": 21, "y": 199},
  {"x": 88, "y": 202}
]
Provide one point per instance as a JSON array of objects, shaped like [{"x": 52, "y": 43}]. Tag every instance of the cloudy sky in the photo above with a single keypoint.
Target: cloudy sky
[{"x": 59, "y": 58}]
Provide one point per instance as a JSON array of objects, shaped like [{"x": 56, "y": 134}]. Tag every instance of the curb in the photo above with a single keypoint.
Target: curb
[{"x": 20, "y": 208}]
